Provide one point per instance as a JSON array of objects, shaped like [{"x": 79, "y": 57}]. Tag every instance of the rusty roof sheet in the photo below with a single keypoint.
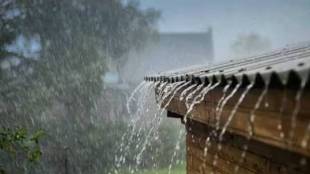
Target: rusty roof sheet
[{"x": 283, "y": 64}]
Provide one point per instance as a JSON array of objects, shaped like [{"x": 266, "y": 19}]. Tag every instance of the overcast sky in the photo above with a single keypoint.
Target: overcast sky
[{"x": 281, "y": 21}]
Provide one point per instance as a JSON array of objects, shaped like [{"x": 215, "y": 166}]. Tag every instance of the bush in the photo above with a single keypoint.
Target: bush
[{"x": 18, "y": 149}]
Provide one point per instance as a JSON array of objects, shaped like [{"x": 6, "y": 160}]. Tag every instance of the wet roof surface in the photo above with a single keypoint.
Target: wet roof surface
[{"x": 283, "y": 64}]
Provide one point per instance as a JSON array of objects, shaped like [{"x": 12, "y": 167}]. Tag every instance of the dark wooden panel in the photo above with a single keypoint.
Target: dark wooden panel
[
  {"x": 260, "y": 158},
  {"x": 267, "y": 120}
]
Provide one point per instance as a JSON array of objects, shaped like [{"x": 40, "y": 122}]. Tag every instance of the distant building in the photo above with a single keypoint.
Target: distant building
[{"x": 169, "y": 51}]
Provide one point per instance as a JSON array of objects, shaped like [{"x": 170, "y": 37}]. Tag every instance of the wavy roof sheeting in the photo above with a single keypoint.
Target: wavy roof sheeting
[{"x": 282, "y": 67}]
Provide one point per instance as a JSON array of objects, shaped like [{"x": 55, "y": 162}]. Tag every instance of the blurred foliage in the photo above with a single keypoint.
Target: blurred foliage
[
  {"x": 18, "y": 144},
  {"x": 179, "y": 169},
  {"x": 250, "y": 44},
  {"x": 52, "y": 58},
  {"x": 159, "y": 149},
  {"x": 76, "y": 37}
]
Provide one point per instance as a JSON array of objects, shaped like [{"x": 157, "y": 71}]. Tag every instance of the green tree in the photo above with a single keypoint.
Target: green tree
[
  {"x": 250, "y": 44},
  {"x": 18, "y": 145},
  {"x": 75, "y": 37}
]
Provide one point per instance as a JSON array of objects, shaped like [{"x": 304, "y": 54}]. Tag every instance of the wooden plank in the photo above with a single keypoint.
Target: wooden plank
[
  {"x": 271, "y": 103},
  {"x": 260, "y": 158},
  {"x": 205, "y": 163},
  {"x": 251, "y": 162},
  {"x": 267, "y": 120}
]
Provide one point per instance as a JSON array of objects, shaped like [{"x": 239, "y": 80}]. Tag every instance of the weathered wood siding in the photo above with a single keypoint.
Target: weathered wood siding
[
  {"x": 271, "y": 150},
  {"x": 260, "y": 158},
  {"x": 268, "y": 118}
]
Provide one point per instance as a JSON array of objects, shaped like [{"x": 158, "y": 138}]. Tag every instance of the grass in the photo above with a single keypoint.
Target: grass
[
  {"x": 175, "y": 170},
  {"x": 180, "y": 169}
]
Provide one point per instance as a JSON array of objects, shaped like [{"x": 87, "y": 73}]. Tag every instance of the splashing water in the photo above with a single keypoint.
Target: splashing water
[
  {"x": 153, "y": 124},
  {"x": 305, "y": 139},
  {"x": 296, "y": 109},
  {"x": 223, "y": 103},
  {"x": 189, "y": 102},
  {"x": 219, "y": 147},
  {"x": 188, "y": 105},
  {"x": 207, "y": 143},
  {"x": 190, "y": 95},
  {"x": 177, "y": 148},
  {"x": 163, "y": 88},
  {"x": 251, "y": 120},
  {"x": 146, "y": 141},
  {"x": 233, "y": 112},
  {"x": 199, "y": 98},
  {"x": 282, "y": 108},
  {"x": 183, "y": 94},
  {"x": 143, "y": 88},
  {"x": 173, "y": 90},
  {"x": 142, "y": 106},
  {"x": 136, "y": 90},
  {"x": 181, "y": 133},
  {"x": 143, "y": 109}
]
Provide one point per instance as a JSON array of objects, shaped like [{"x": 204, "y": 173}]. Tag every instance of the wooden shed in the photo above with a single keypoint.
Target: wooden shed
[{"x": 245, "y": 116}]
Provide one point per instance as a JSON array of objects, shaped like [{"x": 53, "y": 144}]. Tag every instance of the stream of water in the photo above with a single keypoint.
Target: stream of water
[
  {"x": 251, "y": 120},
  {"x": 139, "y": 106}
]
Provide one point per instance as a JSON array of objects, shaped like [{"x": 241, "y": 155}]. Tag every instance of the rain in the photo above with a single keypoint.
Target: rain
[{"x": 153, "y": 87}]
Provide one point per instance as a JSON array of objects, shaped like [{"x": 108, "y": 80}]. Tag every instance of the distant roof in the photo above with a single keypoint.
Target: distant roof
[
  {"x": 279, "y": 66},
  {"x": 170, "y": 51},
  {"x": 197, "y": 37}
]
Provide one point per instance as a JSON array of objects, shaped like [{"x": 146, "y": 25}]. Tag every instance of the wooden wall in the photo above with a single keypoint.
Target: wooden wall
[
  {"x": 260, "y": 158},
  {"x": 271, "y": 150},
  {"x": 268, "y": 117}
]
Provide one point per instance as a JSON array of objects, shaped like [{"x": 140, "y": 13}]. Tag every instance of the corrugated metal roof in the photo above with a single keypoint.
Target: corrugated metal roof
[{"x": 289, "y": 62}]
